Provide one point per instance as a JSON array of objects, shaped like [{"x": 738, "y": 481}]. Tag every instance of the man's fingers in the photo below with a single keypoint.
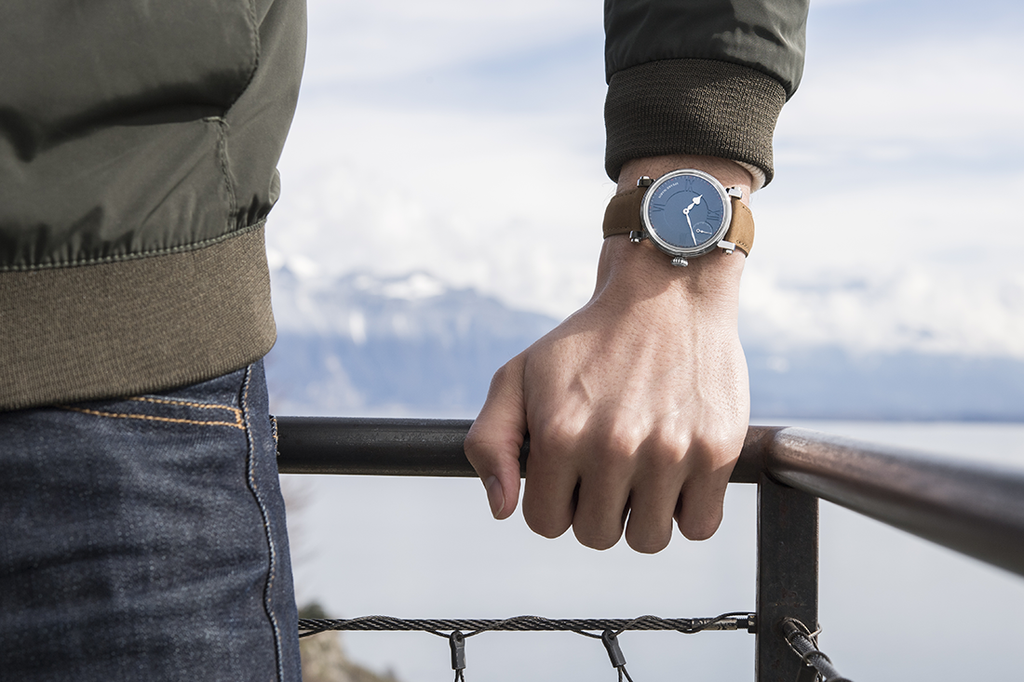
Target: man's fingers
[
  {"x": 600, "y": 512},
  {"x": 608, "y": 470},
  {"x": 496, "y": 438},
  {"x": 712, "y": 457},
  {"x": 700, "y": 507},
  {"x": 551, "y": 483},
  {"x": 652, "y": 506}
]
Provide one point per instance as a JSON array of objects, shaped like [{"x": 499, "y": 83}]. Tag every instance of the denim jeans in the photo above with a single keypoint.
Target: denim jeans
[{"x": 144, "y": 539}]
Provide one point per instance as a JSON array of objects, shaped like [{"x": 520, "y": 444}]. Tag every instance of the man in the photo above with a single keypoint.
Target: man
[{"x": 143, "y": 536}]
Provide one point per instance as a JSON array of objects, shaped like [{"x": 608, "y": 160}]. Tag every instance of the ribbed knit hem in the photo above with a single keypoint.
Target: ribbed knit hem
[
  {"x": 692, "y": 106},
  {"x": 124, "y": 328}
]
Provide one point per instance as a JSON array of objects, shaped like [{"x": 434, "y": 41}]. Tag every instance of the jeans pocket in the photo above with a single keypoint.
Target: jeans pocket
[{"x": 145, "y": 538}]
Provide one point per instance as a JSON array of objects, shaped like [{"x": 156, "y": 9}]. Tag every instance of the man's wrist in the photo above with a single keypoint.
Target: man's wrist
[
  {"x": 647, "y": 273},
  {"x": 727, "y": 172}
]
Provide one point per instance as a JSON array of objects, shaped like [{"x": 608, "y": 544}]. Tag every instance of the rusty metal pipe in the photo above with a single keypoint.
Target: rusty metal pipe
[{"x": 973, "y": 508}]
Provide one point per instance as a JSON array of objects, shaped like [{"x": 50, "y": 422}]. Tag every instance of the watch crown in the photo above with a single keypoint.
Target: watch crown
[{"x": 679, "y": 261}]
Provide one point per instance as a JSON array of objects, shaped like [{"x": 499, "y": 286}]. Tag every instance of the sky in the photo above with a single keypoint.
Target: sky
[{"x": 465, "y": 139}]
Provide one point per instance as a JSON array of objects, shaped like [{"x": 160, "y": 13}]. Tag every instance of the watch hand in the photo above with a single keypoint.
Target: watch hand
[{"x": 686, "y": 212}]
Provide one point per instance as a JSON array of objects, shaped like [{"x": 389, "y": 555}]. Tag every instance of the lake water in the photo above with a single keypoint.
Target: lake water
[{"x": 892, "y": 606}]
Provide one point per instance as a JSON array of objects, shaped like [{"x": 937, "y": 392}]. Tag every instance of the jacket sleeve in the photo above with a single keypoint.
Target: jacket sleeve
[{"x": 705, "y": 77}]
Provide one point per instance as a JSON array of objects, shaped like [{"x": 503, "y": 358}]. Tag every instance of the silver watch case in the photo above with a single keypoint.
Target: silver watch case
[{"x": 680, "y": 253}]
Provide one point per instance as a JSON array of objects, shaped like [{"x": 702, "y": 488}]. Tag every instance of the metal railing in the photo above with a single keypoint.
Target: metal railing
[{"x": 972, "y": 508}]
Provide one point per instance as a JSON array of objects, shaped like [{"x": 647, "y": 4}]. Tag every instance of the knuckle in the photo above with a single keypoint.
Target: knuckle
[
  {"x": 701, "y": 523},
  {"x": 647, "y": 544},
  {"x": 545, "y": 511},
  {"x": 474, "y": 443},
  {"x": 623, "y": 437},
  {"x": 709, "y": 452},
  {"x": 700, "y": 531},
  {"x": 482, "y": 448},
  {"x": 544, "y": 525},
  {"x": 501, "y": 375},
  {"x": 719, "y": 441},
  {"x": 557, "y": 434},
  {"x": 668, "y": 439},
  {"x": 665, "y": 449},
  {"x": 507, "y": 380},
  {"x": 596, "y": 538},
  {"x": 649, "y": 528}
]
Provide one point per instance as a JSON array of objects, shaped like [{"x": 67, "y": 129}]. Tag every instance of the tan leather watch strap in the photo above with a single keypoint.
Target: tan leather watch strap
[
  {"x": 623, "y": 213},
  {"x": 741, "y": 230},
  {"x": 623, "y": 216}
]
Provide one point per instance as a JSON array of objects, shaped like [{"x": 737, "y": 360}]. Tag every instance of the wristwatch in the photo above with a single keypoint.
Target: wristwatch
[{"x": 685, "y": 213}]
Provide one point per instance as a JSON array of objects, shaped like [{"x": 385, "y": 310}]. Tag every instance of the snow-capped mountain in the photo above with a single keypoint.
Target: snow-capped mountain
[
  {"x": 405, "y": 345},
  {"x": 411, "y": 345}
]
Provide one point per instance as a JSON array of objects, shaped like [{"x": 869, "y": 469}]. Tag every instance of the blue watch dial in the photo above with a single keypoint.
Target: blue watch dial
[{"x": 685, "y": 212}]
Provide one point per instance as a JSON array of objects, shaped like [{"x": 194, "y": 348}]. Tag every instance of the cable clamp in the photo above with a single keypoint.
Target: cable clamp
[
  {"x": 457, "y": 642},
  {"x": 611, "y": 645}
]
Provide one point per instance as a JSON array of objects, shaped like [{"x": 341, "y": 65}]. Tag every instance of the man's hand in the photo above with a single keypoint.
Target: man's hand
[{"x": 636, "y": 405}]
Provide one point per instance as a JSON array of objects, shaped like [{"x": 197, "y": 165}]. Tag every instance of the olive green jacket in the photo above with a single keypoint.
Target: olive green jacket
[{"x": 138, "y": 151}]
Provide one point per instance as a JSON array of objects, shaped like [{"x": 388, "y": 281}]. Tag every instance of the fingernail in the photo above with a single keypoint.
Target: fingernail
[{"x": 495, "y": 495}]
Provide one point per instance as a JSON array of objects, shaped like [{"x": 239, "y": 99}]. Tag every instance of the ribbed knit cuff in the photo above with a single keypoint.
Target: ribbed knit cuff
[
  {"x": 133, "y": 326},
  {"x": 692, "y": 106}
]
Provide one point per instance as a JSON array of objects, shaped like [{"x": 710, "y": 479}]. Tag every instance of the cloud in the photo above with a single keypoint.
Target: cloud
[
  {"x": 465, "y": 140},
  {"x": 920, "y": 308},
  {"x": 506, "y": 204},
  {"x": 921, "y": 97},
  {"x": 369, "y": 41}
]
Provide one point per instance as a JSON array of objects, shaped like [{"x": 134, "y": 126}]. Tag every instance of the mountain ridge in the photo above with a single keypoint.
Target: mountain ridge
[{"x": 360, "y": 344}]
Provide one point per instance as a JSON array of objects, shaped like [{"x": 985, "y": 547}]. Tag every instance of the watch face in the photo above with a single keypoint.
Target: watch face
[{"x": 686, "y": 213}]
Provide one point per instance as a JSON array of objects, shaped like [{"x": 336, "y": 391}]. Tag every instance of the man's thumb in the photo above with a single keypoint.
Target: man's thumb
[{"x": 496, "y": 437}]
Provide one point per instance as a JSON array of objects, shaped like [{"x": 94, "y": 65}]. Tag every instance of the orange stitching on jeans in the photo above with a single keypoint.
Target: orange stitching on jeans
[
  {"x": 147, "y": 417},
  {"x": 203, "y": 406}
]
